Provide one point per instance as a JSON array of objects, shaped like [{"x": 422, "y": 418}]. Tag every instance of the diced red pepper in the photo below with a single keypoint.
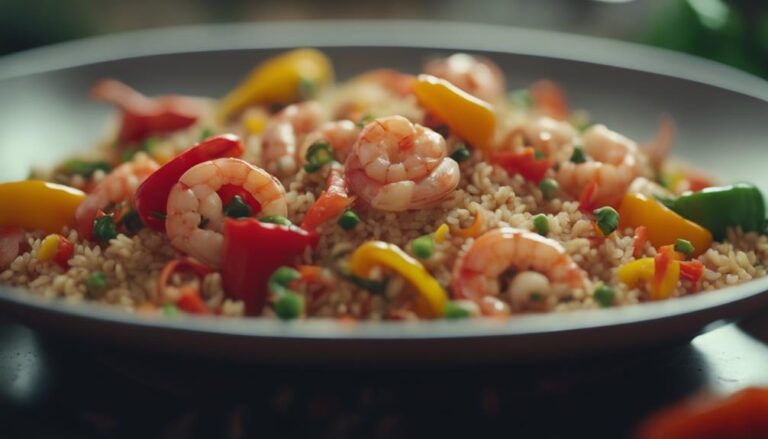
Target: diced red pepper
[
  {"x": 524, "y": 163},
  {"x": 152, "y": 195},
  {"x": 587, "y": 198},
  {"x": 661, "y": 262},
  {"x": 64, "y": 252},
  {"x": 691, "y": 270},
  {"x": 253, "y": 251},
  {"x": 190, "y": 301},
  {"x": 143, "y": 117},
  {"x": 331, "y": 203},
  {"x": 641, "y": 237}
]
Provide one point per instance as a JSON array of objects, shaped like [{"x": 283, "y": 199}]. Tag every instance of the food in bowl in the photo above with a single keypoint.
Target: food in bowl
[{"x": 388, "y": 196}]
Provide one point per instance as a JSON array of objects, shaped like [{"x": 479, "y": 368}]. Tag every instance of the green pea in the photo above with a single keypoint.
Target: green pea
[
  {"x": 280, "y": 278},
  {"x": 604, "y": 296},
  {"x": 289, "y": 306},
  {"x": 170, "y": 310},
  {"x": 423, "y": 247},
  {"x": 462, "y": 153},
  {"x": 549, "y": 188},
  {"x": 541, "y": 224},
  {"x": 104, "y": 228},
  {"x": 684, "y": 246},
  {"x": 96, "y": 284},
  {"x": 454, "y": 310},
  {"x": 348, "y": 220},
  {"x": 607, "y": 219}
]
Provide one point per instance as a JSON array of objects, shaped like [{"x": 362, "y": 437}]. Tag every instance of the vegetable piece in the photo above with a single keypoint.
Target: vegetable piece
[
  {"x": 246, "y": 267},
  {"x": 35, "y": 204},
  {"x": 472, "y": 119},
  {"x": 278, "y": 80},
  {"x": 11, "y": 239},
  {"x": 432, "y": 297},
  {"x": 666, "y": 273},
  {"x": 84, "y": 167},
  {"x": 474, "y": 230},
  {"x": 640, "y": 238},
  {"x": 104, "y": 228},
  {"x": 181, "y": 264},
  {"x": 549, "y": 188},
  {"x": 318, "y": 155},
  {"x": 57, "y": 248},
  {"x": 276, "y": 219},
  {"x": 461, "y": 153},
  {"x": 237, "y": 208},
  {"x": 280, "y": 279},
  {"x": 578, "y": 156},
  {"x": 190, "y": 301},
  {"x": 131, "y": 221},
  {"x": 423, "y": 247},
  {"x": 739, "y": 416},
  {"x": 524, "y": 163},
  {"x": 96, "y": 284},
  {"x": 717, "y": 208},
  {"x": 691, "y": 270},
  {"x": 349, "y": 220},
  {"x": 684, "y": 246},
  {"x": 170, "y": 310},
  {"x": 441, "y": 233},
  {"x": 541, "y": 224},
  {"x": 459, "y": 309},
  {"x": 152, "y": 195},
  {"x": 663, "y": 225},
  {"x": 604, "y": 296},
  {"x": 549, "y": 99},
  {"x": 289, "y": 306},
  {"x": 587, "y": 198},
  {"x": 644, "y": 271},
  {"x": 143, "y": 116},
  {"x": 331, "y": 203},
  {"x": 607, "y": 219}
]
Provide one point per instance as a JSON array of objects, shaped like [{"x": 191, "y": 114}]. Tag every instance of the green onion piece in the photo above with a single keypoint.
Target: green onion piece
[
  {"x": 348, "y": 220},
  {"x": 148, "y": 145},
  {"x": 206, "y": 133},
  {"x": 170, "y": 310},
  {"x": 462, "y": 153},
  {"x": 307, "y": 88},
  {"x": 319, "y": 154},
  {"x": 522, "y": 99},
  {"x": 604, "y": 296},
  {"x": 132, "y": 221},
  {"x": 276, "y": 219},
  {"x": 541, "y": 224},
  {"x": 104, "y": 228},
  {"x": 607, "y": 219},
  {"x": 237, "y": 208},
  {"x": 85, "y": 168},
  {"x": 538, "y": 154},
  {"x": 96, "y": 284},
  {"x": 289, "y": 306},
  {"x": 423, "y": 247},
  {"x": 549, "y": 188},
  {"x": 278, "y": 282},
  {"x": 454, "y": 310},
  {"x": 684, "y": 246},
  {"x": 578, "y": 156}
]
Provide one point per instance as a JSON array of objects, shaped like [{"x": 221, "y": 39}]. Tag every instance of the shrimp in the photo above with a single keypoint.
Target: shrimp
[
  {"x": 119, "y": 185},
  {"x": 478, "y": 76},
  {"x": 396, "y": 165},
  {"x": 548, "y": 135},
  {"x": 476, "y": 274},
  {"x": 195, "y": 214},
  {"x": 615, "y": 167},
  {"x": 283, "y": 135},
  {"x": 340, "y": 134}
]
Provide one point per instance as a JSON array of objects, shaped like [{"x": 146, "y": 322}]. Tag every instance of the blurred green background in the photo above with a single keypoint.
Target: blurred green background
[{"x": 734, "y": 32}]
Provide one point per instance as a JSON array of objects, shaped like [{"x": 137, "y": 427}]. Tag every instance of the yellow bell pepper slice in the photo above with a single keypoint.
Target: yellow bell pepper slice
[
  {"x": 663, "y": 225},
  {"x": 48, "y": 247},
  {"x": 441, "y": 233},
  {"x": 36, "y": 204},
  {"x": 642, "y": 270},
  {"x": 473, "y": 119},
  {"x": 432, "y": 296},
  {"x": 278, "y": 79}
]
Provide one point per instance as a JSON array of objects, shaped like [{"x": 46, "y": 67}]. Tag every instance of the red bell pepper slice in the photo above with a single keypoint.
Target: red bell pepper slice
[
  {"x": 331, "y": 203},
  {"x": 64, "y": 252},
  {"x": 143, "y": 116},
  {"x": 152, "y": 195},
  {"x": 253, "y": 251},
  {"x": 524, "y": 163},
  {"x": 691, "y": 270}
]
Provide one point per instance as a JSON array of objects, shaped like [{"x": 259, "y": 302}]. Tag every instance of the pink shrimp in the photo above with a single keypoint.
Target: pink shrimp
[
  {"x": 553, "y": 137},
  {"x": 476, "y": 274},
  {"x": 284, "y": 133},
  {"x": 478, "y": 76},
  {"x": 396, "y": 165},
  {"x": 195, "y": 213},
  {"x": 614, "y": 167},
  {"x": 340, "y": 134},
  {"x": 119, "y": 185}
]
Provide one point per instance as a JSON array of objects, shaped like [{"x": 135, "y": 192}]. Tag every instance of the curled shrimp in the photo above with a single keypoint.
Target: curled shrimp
[
  {"x": 396, "y": 165},
  {"x": 476, "y": 274},
  {"x": 551, "y": 136},
  {"x": 478, "y": 76},
  {"x": 615, "y": 166},
  {"x": 340, "y": 134},
  {"x": 195, "y": 213},
  {"x": 283, "y": 135},
  {"x": 118, "y": 186}
]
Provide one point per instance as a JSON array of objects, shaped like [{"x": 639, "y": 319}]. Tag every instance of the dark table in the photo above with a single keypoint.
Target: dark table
[{"x": 50, "y": 387}]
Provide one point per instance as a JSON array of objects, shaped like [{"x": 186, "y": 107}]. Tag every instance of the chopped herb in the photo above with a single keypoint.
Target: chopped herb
[
  {"x": 104, "y": 228},
  {"x": 684, "y": 246},
  {"x": 131, "y": 221},
  {"x": 206, "y": 133},
  {"x": 348, "y": 220},
  {"x": 159, "y": 215},
  {"x": 96, "y": 284},
  {"x": 289, "y": 306},
  {"x": 578, "y": 156},
  {"x": 455, "y": 310},
  {"x": 276, "y": 219},
  {"x": 462, "y": 153},
  {"x": 538, "y": 154},
  {"x": 521, "y": 98},
  {"x": 85, "y": 168},
  {"x": 541, "y": 224},
  {"x": 203, "y": 222},
  {"x": 549, "y": 188},
  {"x": 607, "y": 219},
  {"x": 423, "y": 247},
  {"x": 237, "y": 208},
  {"x": 307, "y": 88},
  {"x": 536, "y": 296},
  {"x": 148, "y": 145},
  {"x": 318, "y": 155},
  {"x": 604, "y": 296},
  {"x": 170, "y": 310}
]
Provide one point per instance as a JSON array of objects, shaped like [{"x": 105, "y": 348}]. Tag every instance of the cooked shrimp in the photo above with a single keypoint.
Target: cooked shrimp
[
  {"x": 284, "y": 133},
  {"x": 119, "y": 185},
  {"x": 478, "y": 76},
  {"x": 614, "y": 167},
  {"x": 340, "y": 134},
  {"x": 477, "y": 273},
  {"x": 553, "y": 137},
  {"x": 396, "y": 165},
  {"x": 195, "y": 212}
]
